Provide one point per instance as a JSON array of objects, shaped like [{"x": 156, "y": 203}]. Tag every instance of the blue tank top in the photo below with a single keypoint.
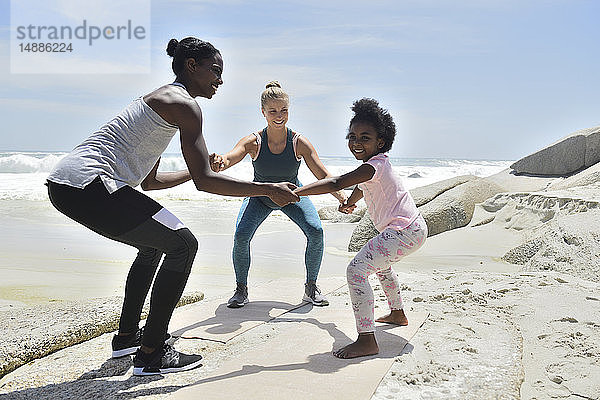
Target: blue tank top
[{"x": 282, "y": 167}]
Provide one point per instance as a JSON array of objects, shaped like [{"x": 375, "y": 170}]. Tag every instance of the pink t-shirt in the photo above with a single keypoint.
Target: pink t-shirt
[{"x": 389, "y": 204}]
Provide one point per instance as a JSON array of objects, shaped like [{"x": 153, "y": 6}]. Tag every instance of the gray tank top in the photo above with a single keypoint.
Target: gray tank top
[{"x": 122, "y": 152}]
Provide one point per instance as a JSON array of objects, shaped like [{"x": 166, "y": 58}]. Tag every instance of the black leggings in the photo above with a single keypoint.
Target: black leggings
[{"x": 126, "y": 216}]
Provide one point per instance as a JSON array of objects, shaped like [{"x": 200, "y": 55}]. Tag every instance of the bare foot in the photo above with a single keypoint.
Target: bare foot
[
  {"x": 365, "y": 345},
  {"x": 396, "y": 317}
]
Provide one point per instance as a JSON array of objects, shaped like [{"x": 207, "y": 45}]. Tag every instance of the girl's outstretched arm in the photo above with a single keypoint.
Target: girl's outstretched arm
[
  {"x": 335, "y": 183},
  {"x": 350, "y": 204},
  {"x": 307, "y": 151},
  {"x": 356, "y": 195}
]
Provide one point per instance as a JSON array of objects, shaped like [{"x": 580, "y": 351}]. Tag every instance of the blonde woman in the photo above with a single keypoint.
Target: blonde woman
[{"x": 276, "y": 153}]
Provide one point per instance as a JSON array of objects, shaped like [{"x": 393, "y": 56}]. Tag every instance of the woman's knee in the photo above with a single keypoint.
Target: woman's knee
[
  {"x": 182, "y": 253},
  {"x": 191, "y": 243},
  {"x": 242, "y": 236},
  {"x": 148, "y": 256},
  {"x": 314, "y": 232}
]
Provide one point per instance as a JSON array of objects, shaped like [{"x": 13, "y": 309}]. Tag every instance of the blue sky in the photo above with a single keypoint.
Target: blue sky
[{"x": 463, "y": 79}]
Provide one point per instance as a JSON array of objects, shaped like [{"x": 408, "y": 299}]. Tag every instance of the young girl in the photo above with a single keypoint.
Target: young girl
[
  {"x": 394, "y": 214},
  {"x": 276, "y": 152}
]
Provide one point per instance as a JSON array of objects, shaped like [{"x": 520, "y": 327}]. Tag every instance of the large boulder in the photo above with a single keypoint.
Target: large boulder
[
  {"x": 581, "y": 149},
  {"x": 454, "y": 208},
  {"x": 425, "y": 194}
]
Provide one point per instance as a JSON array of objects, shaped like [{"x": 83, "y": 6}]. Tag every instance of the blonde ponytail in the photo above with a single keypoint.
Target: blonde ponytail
[{"x": 273, "y": 91}]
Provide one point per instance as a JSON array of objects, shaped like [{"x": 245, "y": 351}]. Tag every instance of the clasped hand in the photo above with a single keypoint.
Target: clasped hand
[
  {"x": 216, "y": 162},
  {"x": 284, "y": 194},
  {"x": 346, "y": 208},
  {"x": 281, "y": 193}
]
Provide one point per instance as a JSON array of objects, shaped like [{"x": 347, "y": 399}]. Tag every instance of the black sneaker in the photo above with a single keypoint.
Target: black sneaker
[
  {"x": 163, "y": 361},
  {"x": 240, "y": 297},
  {"x": 127, "y": 345},
  {"x": 313, "y": 295}
]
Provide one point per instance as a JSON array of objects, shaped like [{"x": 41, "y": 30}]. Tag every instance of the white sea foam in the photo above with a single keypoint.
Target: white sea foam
[
  {"x": 22, "y": 175},
  {"x": 23, "y": 163}
]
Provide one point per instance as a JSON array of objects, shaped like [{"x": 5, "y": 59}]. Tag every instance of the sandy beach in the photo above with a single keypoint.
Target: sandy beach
[
  {"x": 513, "y": 296},
  {"x": 494, "y": 331}
]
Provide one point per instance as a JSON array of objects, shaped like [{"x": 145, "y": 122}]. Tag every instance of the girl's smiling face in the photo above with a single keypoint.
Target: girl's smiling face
[{"x": 363, "y": 141}]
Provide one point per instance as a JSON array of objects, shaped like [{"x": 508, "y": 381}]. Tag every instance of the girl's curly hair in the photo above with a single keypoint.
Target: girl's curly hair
[{"x": 368, "y": 111}]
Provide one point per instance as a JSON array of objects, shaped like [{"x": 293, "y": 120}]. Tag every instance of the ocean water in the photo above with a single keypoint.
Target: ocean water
[{"x": 22, "y": 174}]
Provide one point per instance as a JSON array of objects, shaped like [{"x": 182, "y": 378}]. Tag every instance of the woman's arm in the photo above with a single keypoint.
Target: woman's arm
[
  {"x": 164, "y": 180},
  {"x": 307, "y": 151},
  {"x": 361, "y": 174},
  {"x": 246, "y": 145}
]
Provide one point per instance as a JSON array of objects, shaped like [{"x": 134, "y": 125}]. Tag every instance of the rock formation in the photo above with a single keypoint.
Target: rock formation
[{"x": 580, "y": 149}]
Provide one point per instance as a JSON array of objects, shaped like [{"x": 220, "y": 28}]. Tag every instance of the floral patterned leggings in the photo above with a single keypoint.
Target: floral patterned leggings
[{"x": 377, "y": 256}]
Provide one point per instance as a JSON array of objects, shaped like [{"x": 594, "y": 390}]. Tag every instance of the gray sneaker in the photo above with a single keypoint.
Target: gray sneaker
[
  {"x": 240, "y": 297},
  {"x": 313, "y": 295}
]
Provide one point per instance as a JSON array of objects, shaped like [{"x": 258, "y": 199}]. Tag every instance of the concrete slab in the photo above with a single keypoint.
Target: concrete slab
[
  {"x": 297, "y": 361},
  {"x": 212, "y": 320}
]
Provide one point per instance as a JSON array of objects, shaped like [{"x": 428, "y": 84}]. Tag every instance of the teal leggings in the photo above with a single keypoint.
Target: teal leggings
[{"x": 254, "y": 211}]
